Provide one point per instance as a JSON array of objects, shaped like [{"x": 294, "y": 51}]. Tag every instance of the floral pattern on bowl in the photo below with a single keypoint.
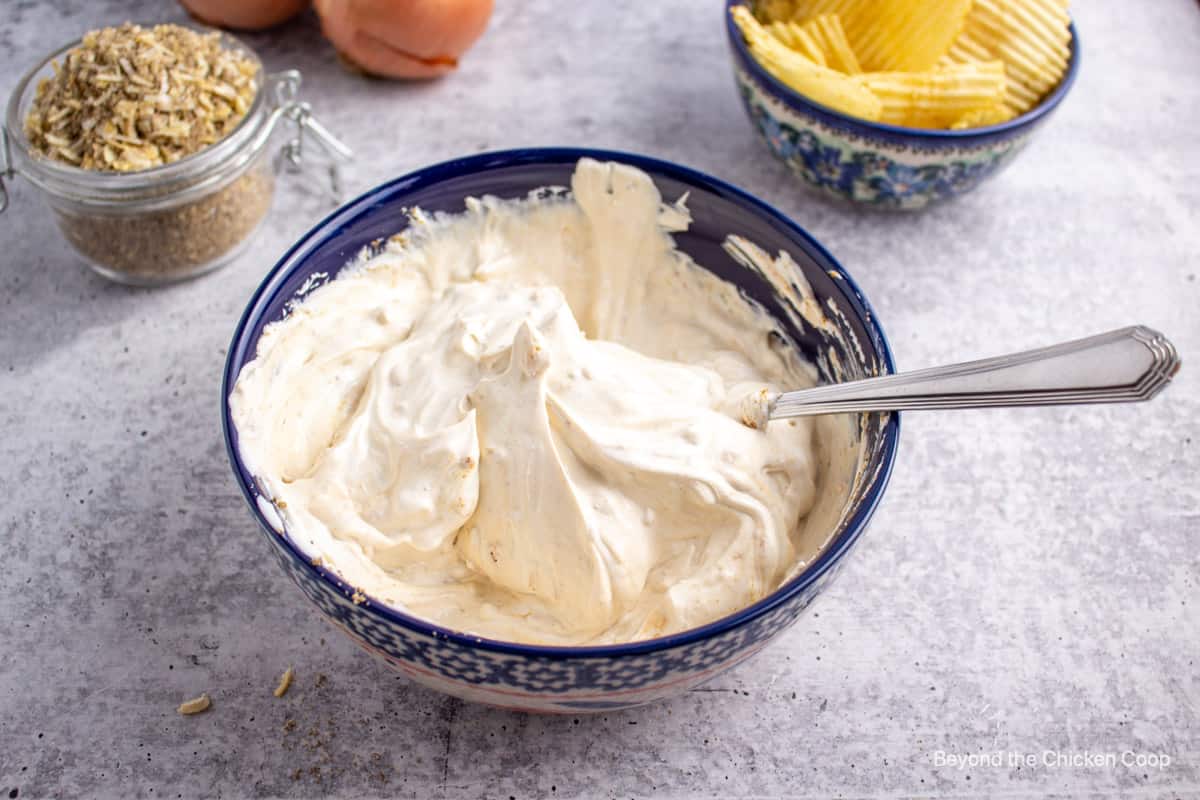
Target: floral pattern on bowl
[
  {"x": 876, "y": 173},
  {"x": 873, "y": 164}
]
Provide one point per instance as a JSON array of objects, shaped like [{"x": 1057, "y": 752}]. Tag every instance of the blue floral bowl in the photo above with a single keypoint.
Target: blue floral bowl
[
  {"x": 883, "y": 166},
  {"x": 574, "y": 679}
]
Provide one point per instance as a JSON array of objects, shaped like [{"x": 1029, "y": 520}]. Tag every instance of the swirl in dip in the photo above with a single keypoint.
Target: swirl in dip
[{"x": 525, "y": 421}]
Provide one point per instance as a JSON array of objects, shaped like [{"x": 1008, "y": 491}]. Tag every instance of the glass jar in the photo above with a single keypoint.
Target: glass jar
[{"x": 176, "y": 221}]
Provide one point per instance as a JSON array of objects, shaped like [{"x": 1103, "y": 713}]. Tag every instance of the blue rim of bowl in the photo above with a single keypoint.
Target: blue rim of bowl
[
  {"x": 331, "y": 227},
  {"x": 845, "y": 121}
]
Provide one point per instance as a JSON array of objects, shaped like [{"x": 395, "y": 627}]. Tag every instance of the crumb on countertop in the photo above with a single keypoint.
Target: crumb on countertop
[
  {"x": 195, "y": 705},
  {"x": 285, "y": 681}
]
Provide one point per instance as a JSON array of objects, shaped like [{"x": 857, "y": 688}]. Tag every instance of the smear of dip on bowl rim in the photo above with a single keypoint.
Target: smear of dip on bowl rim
[{"x": 524, "y": 421}]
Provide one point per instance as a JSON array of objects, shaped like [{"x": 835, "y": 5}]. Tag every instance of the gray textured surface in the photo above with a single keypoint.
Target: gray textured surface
[{"x": 1030, "y": 583}]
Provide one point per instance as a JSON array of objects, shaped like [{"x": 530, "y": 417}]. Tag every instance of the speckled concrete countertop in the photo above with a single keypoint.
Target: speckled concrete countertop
[{"x": 1029, "y": 586}]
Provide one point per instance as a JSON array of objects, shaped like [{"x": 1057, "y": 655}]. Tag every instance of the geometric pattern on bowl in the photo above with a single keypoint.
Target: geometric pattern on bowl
[{"x": 542, "y": 683}]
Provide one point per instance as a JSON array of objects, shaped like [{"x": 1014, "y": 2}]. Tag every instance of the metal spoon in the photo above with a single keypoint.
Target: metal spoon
[{"x": 1124, "y": 365}]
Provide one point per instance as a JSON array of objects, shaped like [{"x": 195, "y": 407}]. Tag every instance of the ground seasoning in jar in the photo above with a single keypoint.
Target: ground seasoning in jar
[
  {"x": 166, "y": 134},
  {"x": 157, "y": 246}
]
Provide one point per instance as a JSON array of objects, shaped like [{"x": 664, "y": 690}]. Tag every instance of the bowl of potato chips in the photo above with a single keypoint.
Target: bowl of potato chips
[{"x": 900, "y": 103}]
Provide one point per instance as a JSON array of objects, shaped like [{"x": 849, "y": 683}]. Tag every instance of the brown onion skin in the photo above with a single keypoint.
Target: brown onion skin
[
  {"x": 403, "y": 38},
  {"x": 244, "y": 15}
]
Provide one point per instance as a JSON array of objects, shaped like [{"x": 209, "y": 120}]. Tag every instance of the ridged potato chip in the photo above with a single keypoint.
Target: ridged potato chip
[
  {"x": 823, "y": 85},
  {"x": 980, "y": 117},
  {"x": 821, "y": 40},
  {"x": 826, "y": 32},
  {"x": 928, "y": 63},
  {"x": 1031, "y": 37},
  {"x": 889, "y": 35},
  {"x": 909, "y": 36},
  {"x": 795, "y": 37},
  {"x": 939, "y": 98}
]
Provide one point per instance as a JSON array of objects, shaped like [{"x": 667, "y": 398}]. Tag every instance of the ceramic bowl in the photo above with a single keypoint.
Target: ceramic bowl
[
  {"x": 574, "y": 679},
  {"x": 870, "y": 163}
]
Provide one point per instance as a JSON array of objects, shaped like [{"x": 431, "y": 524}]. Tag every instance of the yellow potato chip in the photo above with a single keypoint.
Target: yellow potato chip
[
  {"x": 821, "y": 84},
  {"x": 1031, "y": 37},
  {"x": 826, "y": 34},
  {"x": 781, "y": 31},
  {"x": 929, "y": 63},
  {"x": 939, "y": 98},
  {"x": 910, "y": 36},
  {"x": 893, "y": 35},
  {"x": 798, "y": 39},
  {"x": 820, "y": 40},
  {"x": 991, "y": 115}
]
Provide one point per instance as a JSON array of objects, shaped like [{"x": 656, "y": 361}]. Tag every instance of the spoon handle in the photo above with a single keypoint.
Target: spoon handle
[{"x": 1124, "y": 365}]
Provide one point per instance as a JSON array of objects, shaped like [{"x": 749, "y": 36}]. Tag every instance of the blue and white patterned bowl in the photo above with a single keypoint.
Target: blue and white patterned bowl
[
  {"x": 574, "y": 679},
  {"x": 877, "y": 165}
]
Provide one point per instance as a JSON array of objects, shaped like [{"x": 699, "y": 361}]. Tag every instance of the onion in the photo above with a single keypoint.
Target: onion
[
  {"x": 246, "y": 15},
  {"x": 403, "y": 38}
]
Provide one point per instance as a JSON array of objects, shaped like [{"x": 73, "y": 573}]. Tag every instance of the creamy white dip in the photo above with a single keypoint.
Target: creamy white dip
[{"x": 524, "y": 421}]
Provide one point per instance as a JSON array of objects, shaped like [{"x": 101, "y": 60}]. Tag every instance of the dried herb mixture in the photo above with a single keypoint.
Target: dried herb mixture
[{"x": 131, "y": 98}]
